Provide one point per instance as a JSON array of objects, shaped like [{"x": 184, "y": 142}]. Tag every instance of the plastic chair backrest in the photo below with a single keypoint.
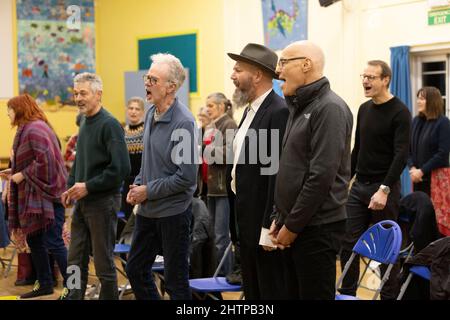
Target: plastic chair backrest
[{"x": 379, "y": 243}]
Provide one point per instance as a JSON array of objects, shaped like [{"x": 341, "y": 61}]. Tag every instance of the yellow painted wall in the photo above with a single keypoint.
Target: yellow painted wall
[
  {"x": 62, "y": 121},
  {"x": 120, "y": 23}
]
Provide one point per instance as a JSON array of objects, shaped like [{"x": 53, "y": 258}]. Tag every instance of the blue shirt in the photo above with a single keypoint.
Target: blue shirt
[{"x": 169, "y": 162}]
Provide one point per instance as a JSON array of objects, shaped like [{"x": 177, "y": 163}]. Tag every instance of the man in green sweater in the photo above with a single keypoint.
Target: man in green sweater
[{"x": 100, "y": 166}]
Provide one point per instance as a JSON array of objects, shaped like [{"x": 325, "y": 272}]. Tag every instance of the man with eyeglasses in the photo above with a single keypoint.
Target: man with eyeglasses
[
  {"x": 312, "y": 182},
  {"x": 165, "y": 185},
  {"x": 378, "y": 159}
]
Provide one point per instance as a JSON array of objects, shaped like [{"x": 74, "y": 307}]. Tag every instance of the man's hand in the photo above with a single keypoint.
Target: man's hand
[
  {"x": 273, "y": 232},
  {"x": 78, "y": 191},
  {"x": 378, "y": 200},
  {"x": 137, "y": 194},
  {"x": 285, "y": 238},
  {"x": 17, "y": 177},
  {"x": 65, "y": 200},
  {"x": 416, "y": 175}
]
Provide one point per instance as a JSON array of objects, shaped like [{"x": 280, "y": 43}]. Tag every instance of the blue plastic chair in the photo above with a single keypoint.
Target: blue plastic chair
[
  {"x": 381, "y": 243},
  {"x": 421, "y": 271},
  {"x": 203, "y": 287}
]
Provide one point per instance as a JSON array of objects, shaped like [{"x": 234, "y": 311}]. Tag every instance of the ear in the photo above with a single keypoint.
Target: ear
[
  {"x": 171, "y": 87},
  {"x": 258, "y": 75},
  {"x": 306, "y": 65}
]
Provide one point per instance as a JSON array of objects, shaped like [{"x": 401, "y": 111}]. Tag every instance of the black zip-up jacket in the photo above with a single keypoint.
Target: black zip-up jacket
[{"x": 312, "y": 181}]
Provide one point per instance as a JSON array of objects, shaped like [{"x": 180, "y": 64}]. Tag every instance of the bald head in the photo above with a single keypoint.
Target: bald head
[
  {"x": 301, "y": 63},
  {"x": 310, "y": 50}
]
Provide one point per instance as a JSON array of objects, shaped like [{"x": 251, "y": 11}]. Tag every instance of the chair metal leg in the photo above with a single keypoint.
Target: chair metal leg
[
  {"x": 404, "y": 286},
  {"x": 383, "y": 281},
  {"x": 10, "y": 262}
]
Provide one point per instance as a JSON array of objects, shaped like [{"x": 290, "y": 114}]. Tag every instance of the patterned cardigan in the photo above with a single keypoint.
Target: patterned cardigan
[{"x": 38, "y": 156}]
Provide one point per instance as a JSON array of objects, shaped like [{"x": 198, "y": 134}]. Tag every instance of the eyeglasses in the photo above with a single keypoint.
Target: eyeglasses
[
  {"x": 369, "y": 77},
  {"x": 152, "y": 80},
  {"x": 282, "y": 62}
]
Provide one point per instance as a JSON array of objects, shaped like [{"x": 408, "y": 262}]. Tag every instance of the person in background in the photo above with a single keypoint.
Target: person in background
[
  {"x": 100, "y": 166},
  {"x": 38, "y": 178},
  {"x": 71, "y": 147},
  {"x": 217, "y": 106},
  {"x": 202, "y": 180},
  {"x": 430, "y": 139},
  {"x": 134, "y": 138},
  {"x": 378, "y": 159}
]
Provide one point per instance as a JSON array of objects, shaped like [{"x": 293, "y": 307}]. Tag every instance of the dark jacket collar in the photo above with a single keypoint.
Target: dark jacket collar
[{"x": 307, "y": 94}]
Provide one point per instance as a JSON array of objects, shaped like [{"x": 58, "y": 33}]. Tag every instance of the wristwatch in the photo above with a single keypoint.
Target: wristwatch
[{"x": 385, "y": 189}]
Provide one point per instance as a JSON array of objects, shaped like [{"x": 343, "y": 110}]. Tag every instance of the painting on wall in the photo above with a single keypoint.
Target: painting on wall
[
  {"x": 285, "y": 21},
  {"x": 56, "y": 41}
]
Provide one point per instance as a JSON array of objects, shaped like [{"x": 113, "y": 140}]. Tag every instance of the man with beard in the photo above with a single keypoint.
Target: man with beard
[
  {"x": 100, "y": 166},
  {"x": 265, "y": 112}
]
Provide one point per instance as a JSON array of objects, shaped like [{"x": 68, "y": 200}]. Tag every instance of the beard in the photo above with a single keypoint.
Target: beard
[{"x": 243, "y": 93}]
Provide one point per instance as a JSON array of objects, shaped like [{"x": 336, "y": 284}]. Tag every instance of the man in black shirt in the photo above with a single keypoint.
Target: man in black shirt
[{"x": 378, "y": 159}]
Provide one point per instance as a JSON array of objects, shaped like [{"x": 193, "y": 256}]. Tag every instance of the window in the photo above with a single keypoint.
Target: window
[{"x": 430, "y": 69}]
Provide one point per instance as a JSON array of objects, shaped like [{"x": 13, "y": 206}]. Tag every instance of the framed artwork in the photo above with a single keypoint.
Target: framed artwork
[
  {"x": 55, "y": 42},
  {"x": 183, "y": 46},
  {"x": 285, "y": 21}
]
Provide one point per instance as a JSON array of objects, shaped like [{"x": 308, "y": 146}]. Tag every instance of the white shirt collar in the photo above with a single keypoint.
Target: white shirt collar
[{"x": 258, "y": 101}]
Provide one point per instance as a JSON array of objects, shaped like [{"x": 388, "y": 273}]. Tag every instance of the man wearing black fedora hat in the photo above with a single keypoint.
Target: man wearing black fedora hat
[{"x": 253, "y": 188}]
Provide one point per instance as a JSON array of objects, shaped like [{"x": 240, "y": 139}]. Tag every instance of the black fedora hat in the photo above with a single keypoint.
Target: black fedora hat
[{"x": 259, "y": 56}]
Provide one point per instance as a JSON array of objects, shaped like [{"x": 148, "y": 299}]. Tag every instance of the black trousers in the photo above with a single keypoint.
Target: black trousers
[
  {"x": 359, "y": 220},
  {"x": 312, "y": 261},
  {"x": 263, "y": 273}
]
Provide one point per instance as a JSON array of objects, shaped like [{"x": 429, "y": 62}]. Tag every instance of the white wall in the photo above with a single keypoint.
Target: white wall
[
  {"x": 350, "y": 32},
  {"x": 6, "y": 50}
]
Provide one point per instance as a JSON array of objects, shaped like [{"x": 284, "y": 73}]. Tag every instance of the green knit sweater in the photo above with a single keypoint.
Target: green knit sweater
[{"x": 101, "y": 160}]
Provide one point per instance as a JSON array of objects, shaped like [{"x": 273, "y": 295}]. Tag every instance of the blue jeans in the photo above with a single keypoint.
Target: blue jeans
[
  {"x": 153, "y": 236},
  {"x": 50, "y": 241},
  {"x": 219, "y": 211},
  {"x": 4, "y": 238},
  {"x": 94, "y": 225}
]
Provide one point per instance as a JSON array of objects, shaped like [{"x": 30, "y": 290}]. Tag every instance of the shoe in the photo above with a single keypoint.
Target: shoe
[
  {"x": 234, "y": 278},
  {"x": 38, "y": 291},
  {"x": 24, "y": 282},
  {"x": 64, "y": 294}
]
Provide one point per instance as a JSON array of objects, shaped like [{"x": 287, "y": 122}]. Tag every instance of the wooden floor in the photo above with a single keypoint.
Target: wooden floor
[{"x": 9, "y": 291}]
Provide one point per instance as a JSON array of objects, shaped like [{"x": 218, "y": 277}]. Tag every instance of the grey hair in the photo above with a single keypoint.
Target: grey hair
[
  {"x": 94, "y": 80},
  {"x": 138, "y": 100},
  {"x": 177, "y": 75},
  {"x": 219, "y": 98}
]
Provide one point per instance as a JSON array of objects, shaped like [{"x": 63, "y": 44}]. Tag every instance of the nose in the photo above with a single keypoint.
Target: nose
[{"x": 278, "y": 69}]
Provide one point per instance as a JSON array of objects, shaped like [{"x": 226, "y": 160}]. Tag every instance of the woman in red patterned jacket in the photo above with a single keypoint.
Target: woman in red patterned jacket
[{"x": 38, "y": 178}]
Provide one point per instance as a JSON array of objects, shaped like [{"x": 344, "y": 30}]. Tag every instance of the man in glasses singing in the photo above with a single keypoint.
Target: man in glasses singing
[{"x": 378, "y": 159}]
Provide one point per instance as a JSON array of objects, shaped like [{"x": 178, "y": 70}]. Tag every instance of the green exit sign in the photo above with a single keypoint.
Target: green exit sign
[{"x": 441, "y": 16}]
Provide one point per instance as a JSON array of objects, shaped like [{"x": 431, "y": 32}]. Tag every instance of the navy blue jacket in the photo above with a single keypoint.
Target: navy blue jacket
[{"x": 430, "y": 144}]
